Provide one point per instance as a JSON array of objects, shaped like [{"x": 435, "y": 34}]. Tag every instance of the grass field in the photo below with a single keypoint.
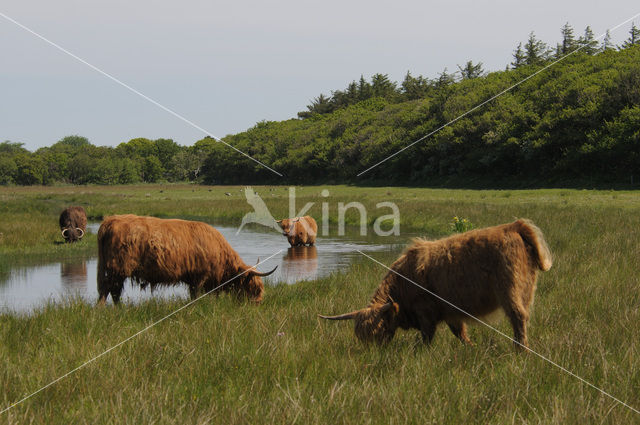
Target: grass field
[{"x": 221, "y": 361}]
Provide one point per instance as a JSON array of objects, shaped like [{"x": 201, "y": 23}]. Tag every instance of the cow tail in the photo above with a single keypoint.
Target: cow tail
[{"x": 532, "y": 235}]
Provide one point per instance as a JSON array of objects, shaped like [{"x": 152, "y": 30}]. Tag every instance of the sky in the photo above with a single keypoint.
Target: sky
[{"x": 224, "y": 66}]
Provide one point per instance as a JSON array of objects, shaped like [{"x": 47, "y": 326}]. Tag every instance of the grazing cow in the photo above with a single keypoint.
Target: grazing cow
[
  {"x": 478, "y": 272},
  {"x": 73, "y": 223},
  {"x": 300, "y": 230},
  {"x": 154, "y": 251}
]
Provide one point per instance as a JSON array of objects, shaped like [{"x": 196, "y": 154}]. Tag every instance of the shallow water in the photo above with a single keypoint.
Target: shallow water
[{"x": 27, "y": 288}]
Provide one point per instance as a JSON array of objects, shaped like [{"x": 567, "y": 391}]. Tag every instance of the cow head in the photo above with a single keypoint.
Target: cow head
[
  {"x": 71, "y": 234},
  {"x": 288, "y": 226},
  {"x": 377, "y": 323},
  {"x": 252, "y": 285}
]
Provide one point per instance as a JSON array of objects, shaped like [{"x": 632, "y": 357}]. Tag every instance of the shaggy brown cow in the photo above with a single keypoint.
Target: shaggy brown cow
[
  {"x": 156, "y": 251},
  {"x": 477, "y": 272},
  {"x": 73, "y": 223},
  {"x": 300, "y": 230}
]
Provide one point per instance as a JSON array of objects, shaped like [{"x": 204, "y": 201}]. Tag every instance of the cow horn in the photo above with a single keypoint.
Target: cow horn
[
  {"x": 386, "y": 307},
  {"x": 353, "y": 314},
  {"x": 345, "y": 316},
  {"x": 81, "y": 232},
  {"x": 257, "y": 273},
  {"x": 63, "y": 233}
]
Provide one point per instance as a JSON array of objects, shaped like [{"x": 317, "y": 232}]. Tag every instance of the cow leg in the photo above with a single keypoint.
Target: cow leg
[
  {"x": 196, "y": 289},
  {"x": 427, "y": 328},
  {"x": 519, "y": 318},
  {"x": 116, "y": 290},
  {"x": 102, "y": 295},
  {"x": 428, "y": 331},
  {"x": 193, "y": 292},
  {"x": 459, "y": 329},
  {"x": 107, "y": 284}
]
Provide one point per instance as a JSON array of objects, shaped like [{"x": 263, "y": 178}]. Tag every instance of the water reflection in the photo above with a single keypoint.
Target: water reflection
[
  {"x": 300, "y": 263},
  {"x": 74, "y": 275}
]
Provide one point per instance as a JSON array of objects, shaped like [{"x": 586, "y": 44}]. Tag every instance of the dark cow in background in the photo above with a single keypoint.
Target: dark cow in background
[
  {"x": 73, "y": 223},
  {"x": 154, "y": 251},
  {"x": 478, "y": 272},
  {"x": 299, "y": 230}
]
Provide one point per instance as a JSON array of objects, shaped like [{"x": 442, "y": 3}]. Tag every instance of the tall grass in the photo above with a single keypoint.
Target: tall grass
[{"x": 221, "y": 361}]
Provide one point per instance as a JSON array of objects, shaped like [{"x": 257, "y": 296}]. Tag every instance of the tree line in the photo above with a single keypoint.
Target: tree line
[
  {"x": 578, "y": 120},
  {"x": 74, "y": 160},
  {"x": 533, "y": 52}
]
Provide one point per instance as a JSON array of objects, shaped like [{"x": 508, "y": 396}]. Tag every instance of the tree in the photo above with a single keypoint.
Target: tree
[
  {"x": 165, "y": 150},
  {"x": 80, "y": 168},
  {"x": 444, "y": 79},
  {"x": 606, "y": 42},
  {"x": 319, "y": 105},
  {"x": 152, "y": 169},
  {"x": 634, "y": 37},
  {"x": 470, "y": 71},
  {"x": 74, "y": 141},
  {"x": 381, "y": 86},
  {"x": 342, "y": 98},
  {"x": 568, "y": 41},
  {"x": 536, "y": 51},
  {"x": 140, "y": 146},
  {"x": 8, "y": 170},
  {"x": 364, "y": 89},
  {"x": 518, "y": 57},
  {"x": 186, "y": 165},
  {"x": 129, "y": 171},
  {"x": 56, "y": 165},
  {"x": 588, "y": 43},
  {"x": 415, "y": 87},
  {"x": 30, "y": 169}
]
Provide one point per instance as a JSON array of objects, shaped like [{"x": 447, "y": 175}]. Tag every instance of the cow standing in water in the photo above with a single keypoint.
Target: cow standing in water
[
  {"x": 299, "y": 231},
  {"x": 455, "y": 280},
  {"x": 154, "y": 251},
  {"x": 73, "y": 224}
]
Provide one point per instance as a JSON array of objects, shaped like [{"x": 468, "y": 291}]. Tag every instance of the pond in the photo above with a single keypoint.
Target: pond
[{"x": 27, "y": 288}]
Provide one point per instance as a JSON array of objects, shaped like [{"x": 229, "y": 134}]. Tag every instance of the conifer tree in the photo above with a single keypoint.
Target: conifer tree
[
  {"x": 588, "y": 43},
  {"x": 364, "y": 89},
  {"x": 470, "y": 71},
  {"x": 568, "y": 41},
  {"x": 381, "y": 86},
  {"x": 414, "y": 87},
  {"x": 535, "y": 50},
  {"x": 444, "y": 79},
  {"x": 634, "y": 37},
  {"x": 606, "y": 42},
  {"x": 518, "y": 57}
]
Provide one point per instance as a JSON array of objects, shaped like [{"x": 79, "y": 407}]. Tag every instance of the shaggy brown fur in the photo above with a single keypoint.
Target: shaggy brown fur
[
  {"x": 156, "y": 251},
  {"x": 300, "y": 230},
  {"x": 73, "y": 223},
  {"x": 478, "y": 272}
]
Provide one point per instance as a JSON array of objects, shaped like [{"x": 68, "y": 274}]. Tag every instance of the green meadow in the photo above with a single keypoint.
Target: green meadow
[{"x": 224, "y": 361}]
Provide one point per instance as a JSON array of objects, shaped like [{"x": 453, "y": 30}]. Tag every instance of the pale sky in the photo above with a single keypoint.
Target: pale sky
[{"x": 227, "y": 65}]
